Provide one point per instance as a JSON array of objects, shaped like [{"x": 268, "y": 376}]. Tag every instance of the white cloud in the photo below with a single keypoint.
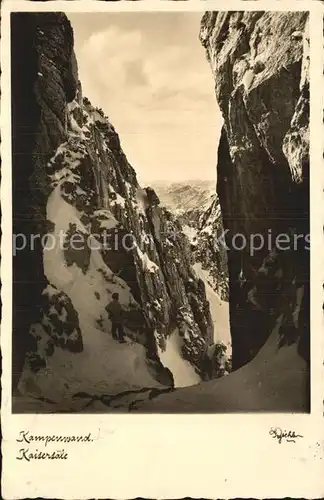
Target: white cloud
[{"x": 159, "y": 96}]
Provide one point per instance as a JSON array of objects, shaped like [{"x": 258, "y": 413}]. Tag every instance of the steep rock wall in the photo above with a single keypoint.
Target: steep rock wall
[
  {"x": 208, "y": 251},
  {"x": 38, "y": 127},
  {"x": 73, "y": 184},
  {"x": 260, "y": 67}
]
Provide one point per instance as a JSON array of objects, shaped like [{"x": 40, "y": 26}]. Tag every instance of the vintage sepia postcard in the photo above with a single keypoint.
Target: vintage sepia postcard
[{"x": 162, "y": 249}]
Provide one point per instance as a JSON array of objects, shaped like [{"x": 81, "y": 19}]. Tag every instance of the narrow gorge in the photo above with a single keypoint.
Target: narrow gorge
[{"x": 72, "y": 183}]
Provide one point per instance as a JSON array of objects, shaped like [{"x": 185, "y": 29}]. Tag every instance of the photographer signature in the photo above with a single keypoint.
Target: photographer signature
[{"x": 279, "y": 434}]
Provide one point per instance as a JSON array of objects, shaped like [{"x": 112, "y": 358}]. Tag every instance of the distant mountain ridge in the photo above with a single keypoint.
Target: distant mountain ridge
[{"x": 180, "y": 197}]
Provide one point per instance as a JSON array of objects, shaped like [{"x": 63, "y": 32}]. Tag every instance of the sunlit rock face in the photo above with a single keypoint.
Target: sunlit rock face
[
  {"x": 260, "y": 66},
  {"x": 209, "y": 249},
  {"x": 72, "y": 178}
]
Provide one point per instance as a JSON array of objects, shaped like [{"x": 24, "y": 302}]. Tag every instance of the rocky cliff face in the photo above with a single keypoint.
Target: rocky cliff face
[
  {"x": 38, "y": 127},
  {"x": 260, "y": 66},
  {"x": 208, "y": 249},
  {"x": 99, "y": 233}
]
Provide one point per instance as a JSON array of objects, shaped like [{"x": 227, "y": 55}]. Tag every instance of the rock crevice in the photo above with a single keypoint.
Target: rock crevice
[{"x": 261, "y": 84}]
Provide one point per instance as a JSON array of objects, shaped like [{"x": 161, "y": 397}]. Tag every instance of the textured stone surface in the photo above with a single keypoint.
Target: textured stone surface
[
  {"x": 209, "y": 251},
  {"x": 260, "y": 67},
  {"x": 43, "y": 80}
]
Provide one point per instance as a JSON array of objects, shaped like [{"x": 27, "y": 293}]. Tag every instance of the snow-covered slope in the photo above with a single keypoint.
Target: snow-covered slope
[
  {"x": 171, "y": 357},
  {"x": 276, "y": 380},
  {"x": 219, "y": 310},
  {"x": 102, "y": 365}
]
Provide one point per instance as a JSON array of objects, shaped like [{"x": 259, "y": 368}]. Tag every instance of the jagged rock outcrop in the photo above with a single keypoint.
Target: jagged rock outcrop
[
  {"x": 208, "y": 248},
  {"x": 196, "y": 207},
  {"x": 260, "y": 64},
  {"x": 100, "y": 233},
  {"x": 38, "y": 127}
]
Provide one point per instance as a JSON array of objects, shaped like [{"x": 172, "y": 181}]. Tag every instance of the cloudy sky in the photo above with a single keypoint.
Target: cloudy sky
[{"x": 149, "y": 74}]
